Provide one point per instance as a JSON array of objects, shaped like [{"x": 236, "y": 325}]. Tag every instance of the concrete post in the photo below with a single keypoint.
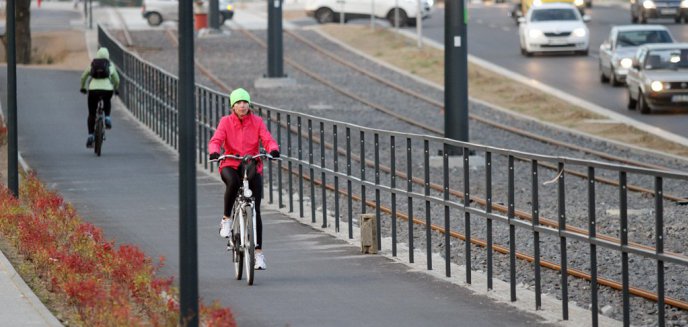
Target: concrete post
[{"x": 368, "y": 225}]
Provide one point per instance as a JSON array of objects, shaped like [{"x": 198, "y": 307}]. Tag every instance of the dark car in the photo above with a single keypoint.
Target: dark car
[
  {"x": 642, "y": 10},
  {"x": 658, "y": 78}
]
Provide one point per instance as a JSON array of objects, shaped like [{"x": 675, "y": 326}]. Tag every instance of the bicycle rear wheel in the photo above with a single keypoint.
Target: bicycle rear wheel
[
  {"x": 99, "y": 133},
  {"x": 250, "y": 249}
]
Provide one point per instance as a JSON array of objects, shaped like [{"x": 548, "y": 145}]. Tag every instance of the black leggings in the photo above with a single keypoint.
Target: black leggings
[
  {"x": 233, "y": 182},
  {"x": 93, "y": 97}
]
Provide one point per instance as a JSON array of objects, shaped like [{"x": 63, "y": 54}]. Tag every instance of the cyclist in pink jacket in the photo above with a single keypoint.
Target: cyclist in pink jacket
[{"x": 241, "y": 133}]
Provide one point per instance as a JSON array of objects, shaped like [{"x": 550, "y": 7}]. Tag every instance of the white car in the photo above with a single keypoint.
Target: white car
[
  {"x": 554, "y": 27},
  {"x": 328, "y": 11},
  {"x": 617, "y": 51},
  {"x": 158, "y": 11}
]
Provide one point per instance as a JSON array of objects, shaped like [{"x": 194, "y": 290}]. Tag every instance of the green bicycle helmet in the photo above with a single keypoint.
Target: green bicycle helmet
[{"x": 239, "y": 95}]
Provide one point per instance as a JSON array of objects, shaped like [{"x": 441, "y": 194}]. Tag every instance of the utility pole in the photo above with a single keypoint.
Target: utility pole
[
  {"x": 455, "y": 73},
  {"x": 214, "y": 13},
  {"x": 275, "y": 47},
  {"x": 188, "y": 244},
  {"x": 12, "y": 148}
]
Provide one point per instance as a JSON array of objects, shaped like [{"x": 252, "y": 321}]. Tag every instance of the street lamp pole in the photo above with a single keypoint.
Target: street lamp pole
[{"x": 455, "y": 73}]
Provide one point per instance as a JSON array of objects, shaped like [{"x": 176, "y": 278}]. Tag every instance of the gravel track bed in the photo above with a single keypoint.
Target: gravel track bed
[{"x": 239, "y": 61}]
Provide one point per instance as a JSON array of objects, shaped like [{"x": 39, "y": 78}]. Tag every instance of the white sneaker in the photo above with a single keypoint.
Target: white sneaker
[
  {"x": 225, "y": 227},
  {"x": 260, "y": 262}
]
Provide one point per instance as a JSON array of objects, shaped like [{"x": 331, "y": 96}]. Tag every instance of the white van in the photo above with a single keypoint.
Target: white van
[
  {"x": 158, "y": 11},
  {"x": 327, "y": 11}
]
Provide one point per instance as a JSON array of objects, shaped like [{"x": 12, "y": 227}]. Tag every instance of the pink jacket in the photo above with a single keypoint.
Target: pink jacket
[{"x": 241, "y": 137}]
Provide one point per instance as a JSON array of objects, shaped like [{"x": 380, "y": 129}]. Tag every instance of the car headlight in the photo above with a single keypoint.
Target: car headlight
[
  {"x": 656, "y": 86},
  {"x": 579, "y": 32},
  {"x": 648, "y": 4},
  {"x": 535, "y": 33},
  {"x": 579, "y": 3},
  {"x": 626, "y": 63}
]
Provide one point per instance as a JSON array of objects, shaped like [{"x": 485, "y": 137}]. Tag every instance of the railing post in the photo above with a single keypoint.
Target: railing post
[
  {"x": 592, "y": 235},
  {"x": 659, "y": 248},
  {"x": 467, "y": 215},
  {"x": 336, "y": 177},
  {"x": 348, "y": 182},
  {"x": 322, "y": 174},
  {"x": 378, "y": 236},
  {"x": 445, "y": 197},
  {"x": 363, "y": 156},
  {"x": 536, "y": 235},
  {"x": 409, "y": 189},
  {"x": 280, "y": 202},
  {"x": 428, "y": 219},
  {"x": 269, "y": 162},
  {"x": 488, "y": 212},
  {"x": 300, "y": 150},
  {"x": 624, "y": 243},
  {"x": 289, "y": 166},
  {"x": 393, "y": 187},
  {"x": 311, "y": 171},
  {"x": 512, "y": 230},
  {"x": 562, "y": 244}
]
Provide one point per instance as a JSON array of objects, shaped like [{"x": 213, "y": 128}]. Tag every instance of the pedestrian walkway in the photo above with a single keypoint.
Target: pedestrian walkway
[{"x": 313, "y": 279}]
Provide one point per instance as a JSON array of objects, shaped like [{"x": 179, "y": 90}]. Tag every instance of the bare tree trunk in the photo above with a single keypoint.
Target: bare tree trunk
[{"x": 23, "y": 37}]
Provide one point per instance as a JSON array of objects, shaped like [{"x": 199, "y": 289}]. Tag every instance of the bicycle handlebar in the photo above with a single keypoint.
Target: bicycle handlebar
[{"x": 232, "y": 156}]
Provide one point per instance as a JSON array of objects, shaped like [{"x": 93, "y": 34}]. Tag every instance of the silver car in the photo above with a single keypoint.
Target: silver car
[
  {"x": 618, "y": 50},
  {"x": 658, "y": 78}
]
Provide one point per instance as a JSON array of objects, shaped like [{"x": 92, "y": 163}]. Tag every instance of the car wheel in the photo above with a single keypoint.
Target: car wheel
[
  {"x": 154, "y": 19},
  {"x": 403, "y": 18},
  {"x": 631, "y": 102},
  {"x": 642, "y": 104},
  {"x": 526, "y": 52},
  {"x": 221, "y": 19},
  {"x": 612, "y": 79},
  {"x": 583, "y": 52},
  {"x": 324, "y": 15}
]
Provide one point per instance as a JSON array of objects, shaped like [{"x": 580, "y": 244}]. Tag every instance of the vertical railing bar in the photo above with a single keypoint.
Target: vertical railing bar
[
  {"x": 335, "y": 153},
  {"x": 445, "y": 197},
  {"x": 311, "y": 171},
  {"x": 348, "y": 183},
  {"x": 393, "y": 185},
  {"x": 280, "y": 201},
  {"x": 378, "y": 236},
  {"x": 536, "y": 235},
  {"x": 561, "y": 190},
  {"x": 362, "y": 156},
  {"x": 300, "y": 150},
  {"x": 289, "y": 166},
  {"x": 624, "y": 255},
  {"x": 428, "y": 221},
  {"x": 467, "y": 215},
  {"x": 659, "y": 247},
  {"x": 592, "y": 232},
  {"x": 488, "y": 211},
  {"x": 322, "y": 174},
  {"x": 512, "y": 229},
  {"x": 269, "y": 163},
  {"x": 409, "y": 188}
]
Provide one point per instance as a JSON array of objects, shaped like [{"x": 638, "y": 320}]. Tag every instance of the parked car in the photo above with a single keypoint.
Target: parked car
[
  {"x": 658, "y": 79},
  {"x": 641, "y": 10},
  {"x": 328, "y": 11},
  {"x": 554, "y": 27},
  {"x": 158, "y": 11},
  {"x": 618, "y": 50}
]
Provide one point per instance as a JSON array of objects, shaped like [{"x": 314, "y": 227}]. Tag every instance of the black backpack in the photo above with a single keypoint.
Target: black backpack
[{"x": 100, "y": 68}]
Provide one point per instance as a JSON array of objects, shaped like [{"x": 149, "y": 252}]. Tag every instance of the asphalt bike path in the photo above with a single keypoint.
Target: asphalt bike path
[{"x": 131, "y": 191}]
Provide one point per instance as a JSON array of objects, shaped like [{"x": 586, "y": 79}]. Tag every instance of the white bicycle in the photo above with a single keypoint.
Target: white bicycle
[{"x": 242, "y": 242}]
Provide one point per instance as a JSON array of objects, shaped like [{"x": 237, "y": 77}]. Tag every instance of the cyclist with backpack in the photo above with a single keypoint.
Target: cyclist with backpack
[
  {"x": 104, "y": 81},
  {"x": 241, "y": 133}
]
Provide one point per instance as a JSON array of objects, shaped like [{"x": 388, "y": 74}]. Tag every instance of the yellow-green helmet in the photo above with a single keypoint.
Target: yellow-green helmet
[{"x": 239, "y": 95}]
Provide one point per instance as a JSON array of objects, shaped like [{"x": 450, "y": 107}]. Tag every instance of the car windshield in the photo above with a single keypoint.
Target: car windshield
[
  {"x": 667, "y": 59},
  {"x": 544, "y": 15},
  {"x": 636, "y": 38}
]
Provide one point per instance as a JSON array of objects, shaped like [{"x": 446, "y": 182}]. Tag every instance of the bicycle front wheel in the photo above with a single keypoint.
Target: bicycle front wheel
[
  {"x": 99, "y": 133},
  {"x": 237, "y": 257},
  {"x": 250, "y": 249}
]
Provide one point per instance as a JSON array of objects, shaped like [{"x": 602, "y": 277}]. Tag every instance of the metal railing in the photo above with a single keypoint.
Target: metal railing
[{"x": 443, "y": 201}]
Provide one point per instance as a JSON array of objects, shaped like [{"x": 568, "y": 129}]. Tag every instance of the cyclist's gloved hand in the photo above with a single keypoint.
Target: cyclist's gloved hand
[
  {"x": 274, "y": 153},
  {"x": 214, "y": 156},
  {"x": 83, "y": 91}
]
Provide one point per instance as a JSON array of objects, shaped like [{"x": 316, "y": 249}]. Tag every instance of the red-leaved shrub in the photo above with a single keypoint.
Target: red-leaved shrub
[{"x": 107, "y": 285}]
